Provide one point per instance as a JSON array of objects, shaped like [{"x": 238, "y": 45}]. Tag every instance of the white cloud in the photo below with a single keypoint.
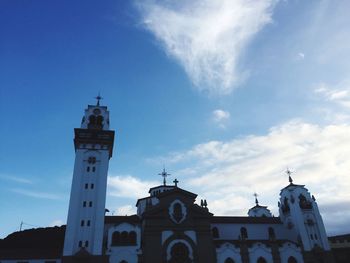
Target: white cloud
[
  {"x": 227, "y": 173},
  {"x": 57, "y": 222},
  {"x": 207, "y": 37},
  {"x": 339, "y": 93},
  {"x": 221, "y": 117},
  {"x": 126, "y": 210},
  {"x": 128, "y": 186},
  {"x": 301, "y": 56}
]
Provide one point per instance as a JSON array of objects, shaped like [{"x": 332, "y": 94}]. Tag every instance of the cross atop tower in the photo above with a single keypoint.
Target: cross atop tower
[
  {"x": 98, "y": 99},
  {"x": 288, "y": 172},
  {"x": 175, "y": 182},
  {"x": 164, "y": 174},
  {"x": 256, "y": 198}
]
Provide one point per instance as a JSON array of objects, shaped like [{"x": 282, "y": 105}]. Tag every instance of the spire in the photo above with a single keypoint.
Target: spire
[
  {"x": 256, "y": 198},
  {"x": 288, "y": 172},
  {"x": 98, "y": 98},
  {"x": 164, "y": 174}
]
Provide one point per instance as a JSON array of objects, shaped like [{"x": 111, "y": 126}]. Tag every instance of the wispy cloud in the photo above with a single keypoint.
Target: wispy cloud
[
  {"x": 36, "y": 194},
  {"x": 207, "y": 37},
  {"x": 15, "y": 179},
  {"x": 301, "y": 56},
  {"x": 221, "y": 117},
  {"x": 57, "y": 222},
  {"x": 317, "y": 154},
  {"x": 128, "y": 186},
  {"x": 339, "y": 93},
  {"x": 126, "y": 210}
]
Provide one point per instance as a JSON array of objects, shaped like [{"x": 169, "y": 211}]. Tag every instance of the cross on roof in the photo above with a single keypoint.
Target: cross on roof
[
  {"x": 175, "y": 182},
  {"x": 98, "y": 97},
  {"x": 164, "y": 174},
  {"x": 256, "y": 198},
  {"x": 288, "y": 172}
]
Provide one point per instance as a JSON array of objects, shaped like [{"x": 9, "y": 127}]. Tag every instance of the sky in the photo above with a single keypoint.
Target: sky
[{"x": 225, "y": 94}]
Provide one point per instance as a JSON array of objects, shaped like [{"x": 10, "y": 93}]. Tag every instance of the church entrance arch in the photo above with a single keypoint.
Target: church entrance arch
[{"x": 180, "y": 253}]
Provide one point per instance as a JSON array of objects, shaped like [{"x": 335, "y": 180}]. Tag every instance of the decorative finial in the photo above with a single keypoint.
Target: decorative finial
[
  {"x": 205, "y": 204},
  {"x": 98, "y": 99},
  {"x": 256, "y": 198},
  {"x": 288, "y": 172},
  {"x": 164, "y": 174},
  {"x": 175, "y": 182}
]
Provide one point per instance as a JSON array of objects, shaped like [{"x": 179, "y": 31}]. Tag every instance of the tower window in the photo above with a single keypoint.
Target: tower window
[
  {"x": 88, "y": 223},
  {"x": 93, "y": 169},
  {"x": 92, "y": 160},
  {"x": 271, "y": 233},
  {"x": 312, "y": 236},
  {"x": 80, "y": 243},
  {"x": 244, "y": 233},
  {"x": 92, "y": 186},
  {"x": 90, "y": 204},
  {"x": 86, "y": 243},
  {"x": 82, "y": 223},
  {"x": 84, "y": 204},
  {"x": 86, "y": 186},
  {"x": 88, "y": 169},
  {"x": 215, "y": 232}
]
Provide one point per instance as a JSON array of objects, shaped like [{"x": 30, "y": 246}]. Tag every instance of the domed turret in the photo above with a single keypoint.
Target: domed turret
[{"x": 258, "y": 210}]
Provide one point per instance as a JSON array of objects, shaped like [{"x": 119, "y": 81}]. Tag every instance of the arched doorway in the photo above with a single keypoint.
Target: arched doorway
[
  {"x": 292, "y": 260},
  {"x": 229, "y": 260},
  {"x": 180, "y": 253},
  {"x": 261, "y": 260}
]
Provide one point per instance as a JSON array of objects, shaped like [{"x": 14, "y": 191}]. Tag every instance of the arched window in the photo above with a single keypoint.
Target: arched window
[
  {"x": 123, "y": 261},
  {"x": 271, "y": 233},
  {"x": 261, "y": 260},
  {"x": 124, "y": 238},
  {"x": 115, "y": 238},
  {"x": 177, "y": 212},
  {"x": 132, "y": 238},
  {"x": 292, "y": 260},
  {"x": 80, "y": 243},
  {"x": 99, "y": 121},
  {"x": 215, "y": 232},
  {"x": 92, "y": 122},
  {"x": 244, "y": 233},
  {"x": 304, "y": 203},
  {"x": 229, "y": 260}
]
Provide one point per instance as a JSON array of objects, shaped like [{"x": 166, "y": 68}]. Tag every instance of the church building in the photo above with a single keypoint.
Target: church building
[{"x": 170, "y": 225}]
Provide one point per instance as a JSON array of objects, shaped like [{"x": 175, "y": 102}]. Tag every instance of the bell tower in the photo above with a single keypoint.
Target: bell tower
[
  {"x": 299, "y": 212},
  {"x": 93, "y": 144}
]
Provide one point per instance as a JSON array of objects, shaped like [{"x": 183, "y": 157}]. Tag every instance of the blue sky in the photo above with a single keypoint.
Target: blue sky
[{"x": 225, "y": 94}]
